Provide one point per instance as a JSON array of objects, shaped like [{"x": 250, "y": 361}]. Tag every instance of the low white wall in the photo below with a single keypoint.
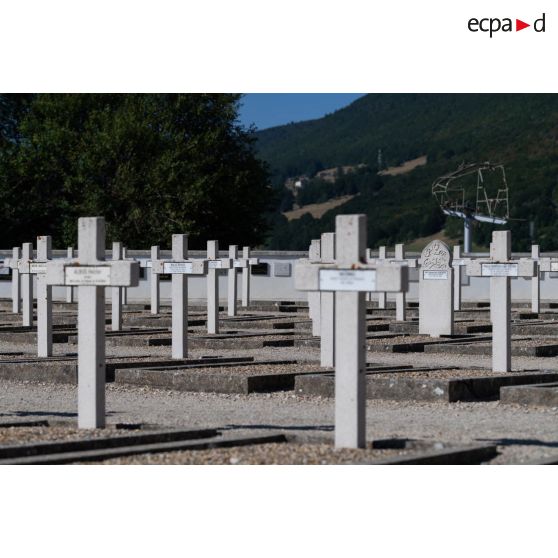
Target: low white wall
[{"x": 273, "y": 286}]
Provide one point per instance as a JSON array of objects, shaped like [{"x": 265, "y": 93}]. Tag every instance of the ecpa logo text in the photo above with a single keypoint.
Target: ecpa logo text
[{"x": 493, "y": 25}]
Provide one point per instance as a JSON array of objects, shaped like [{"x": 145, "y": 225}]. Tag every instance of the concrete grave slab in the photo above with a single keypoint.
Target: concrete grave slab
[
  {"x": 241, "y": 378},
  {"x": 447, "y": 385},
  {"x": 544, "y": 395}
]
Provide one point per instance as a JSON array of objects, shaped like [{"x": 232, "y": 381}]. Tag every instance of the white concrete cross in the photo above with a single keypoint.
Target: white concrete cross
[
  {"x": 545, "y": 264},
  {"x": 155, "y": 297},
  {"x": 125, "y": 289},
  {"x": 91, "y": 274},
  {"x": 314, "y": 256},
  {"x": 13, "y": 263},
  {"x": 231, "y": 291},
  {"x": 28, "y": 268},
  {"x": 436, "y": 290},
  {"x": 500, "y": 267},
  {"x": 26, "y": 280},
  {"x": 248, "y": 262},
  {"x": 179, "y": 267},
  {"x": 214, "y": 264},
  {"x": 349, "y": 279},
  {"x": 458, "y": 263},
  {"x": 44, "y": 298},
  {"x": 70, "y": 290},
  {"x": 116, "y": 292},
  {"x": 327, "y": 306},
  {"x": 154, "y": 278},
  {"x": 401, "y": 297},
  {"x": 243, "y": 263},
  {"x": 371, "y": 259}
]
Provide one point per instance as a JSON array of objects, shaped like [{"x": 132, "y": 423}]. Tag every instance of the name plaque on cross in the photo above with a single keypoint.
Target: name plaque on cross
[
  {"x": 435, "y": 275},
  {"x": 215, "y": 264},
  {"x": 499, "y": 270},
  {"x": 178, "y": 267},
  {"x": 37, "y": 267},
  {"x": 146, "y": 263},
  {"x": 88, "y": 276},
  {"x": 348, "y": 280},
  {"x": 457, "y": 262},
  {"x": 238, "y": 263},
  {"x": 553, "y": 266}
]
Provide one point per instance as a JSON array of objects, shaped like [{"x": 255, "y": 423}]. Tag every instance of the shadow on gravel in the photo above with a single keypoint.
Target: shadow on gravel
[{"x": 38, "y": 414}]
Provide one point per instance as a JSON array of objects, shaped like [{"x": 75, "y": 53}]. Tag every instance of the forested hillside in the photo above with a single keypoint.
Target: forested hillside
[{"x": 520, "y": 131}]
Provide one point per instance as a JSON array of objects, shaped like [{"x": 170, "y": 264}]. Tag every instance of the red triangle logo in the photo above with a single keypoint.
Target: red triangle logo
[{"x": 519, "y": 25}]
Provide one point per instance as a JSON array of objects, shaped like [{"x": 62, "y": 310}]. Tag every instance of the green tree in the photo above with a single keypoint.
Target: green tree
[{"x": 152, "y": 165}]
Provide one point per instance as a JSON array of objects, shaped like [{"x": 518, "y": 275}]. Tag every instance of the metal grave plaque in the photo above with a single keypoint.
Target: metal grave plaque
[
  {"x": 37, "y": 267},
  {"x": 178, "y": 267},
  {"x": 436, "y": 275},
  {"x": 88, "y": 275},
  {"x": 363, "y": 280},
  {"x": 499, "y": 270}
]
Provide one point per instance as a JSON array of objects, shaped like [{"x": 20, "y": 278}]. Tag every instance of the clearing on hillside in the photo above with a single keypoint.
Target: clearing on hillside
[
  {"x": 407, "y": 166},
  {"x": 317, "y": 210}
]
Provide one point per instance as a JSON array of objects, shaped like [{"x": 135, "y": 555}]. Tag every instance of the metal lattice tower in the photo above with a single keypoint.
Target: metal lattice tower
[{"x": 453, "y": 192}]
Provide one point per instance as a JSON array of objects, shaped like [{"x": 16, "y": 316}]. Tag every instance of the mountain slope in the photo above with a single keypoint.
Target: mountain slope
[{"x": 520, "y": 131}]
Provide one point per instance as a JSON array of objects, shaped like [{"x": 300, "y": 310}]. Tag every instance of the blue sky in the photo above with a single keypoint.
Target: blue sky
[{"x": 273, "y": 109}]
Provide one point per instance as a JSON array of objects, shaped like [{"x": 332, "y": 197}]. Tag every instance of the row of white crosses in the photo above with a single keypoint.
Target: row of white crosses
[
  {"x": 545, "y": 264},
  {"x": 215, "y": 265},
  {"x": 180, "y": 267},
  {"x": 439, "y": 273},
  {"x": 348, "y": 278},
  {"x": 23, "y": 268},
  {"x": 24, "y": 260}
]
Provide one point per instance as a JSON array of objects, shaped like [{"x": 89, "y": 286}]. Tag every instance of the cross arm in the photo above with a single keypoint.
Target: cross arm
[
  {"x": 220, "y": 263},
  {"x": 459, "y": 262},
  {"x": 115, "y": 273},
  {"x": 186, "y": 267},
  {"x": 409, "y": 262},
  {"x": 31, "y": 266},
  {"x": 365, "y": 278},
  {"x": 548, "y": 264},
  {"x": 523, "y": 267}
]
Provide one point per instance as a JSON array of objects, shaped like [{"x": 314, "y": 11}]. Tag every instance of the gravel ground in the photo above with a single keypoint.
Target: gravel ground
[
  {"x": 394, "y": 339},
  {"x": 255, "y": 369},
  {"x": 263, "y": 454},
  {"x": 523, "y": 434}
]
